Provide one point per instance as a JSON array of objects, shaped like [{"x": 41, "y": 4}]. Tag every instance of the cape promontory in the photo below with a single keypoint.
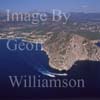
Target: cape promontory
[{"x": 65, "y": 49}]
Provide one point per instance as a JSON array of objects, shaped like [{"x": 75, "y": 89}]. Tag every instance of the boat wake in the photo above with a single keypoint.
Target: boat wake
[{"x": 48, "y": 73}]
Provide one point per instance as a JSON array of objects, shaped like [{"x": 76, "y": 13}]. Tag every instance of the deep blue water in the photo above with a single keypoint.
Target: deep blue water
[
  {"x": 31, "y": 63},
  {"x": 98, "y": 44}
]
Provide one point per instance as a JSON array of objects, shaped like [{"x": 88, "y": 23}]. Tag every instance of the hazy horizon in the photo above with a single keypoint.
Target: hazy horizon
[{"x": 87, "y": 6}]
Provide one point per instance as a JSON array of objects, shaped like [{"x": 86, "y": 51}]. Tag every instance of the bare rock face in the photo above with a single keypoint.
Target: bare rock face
[{"x": 65, "y": 49}]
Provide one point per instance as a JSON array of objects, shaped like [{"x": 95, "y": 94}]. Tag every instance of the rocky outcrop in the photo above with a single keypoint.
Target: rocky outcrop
[{"x": 65, "y": 49}]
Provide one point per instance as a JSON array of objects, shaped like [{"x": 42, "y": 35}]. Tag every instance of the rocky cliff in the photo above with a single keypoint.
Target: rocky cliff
[{"x": 65, "y": 49}]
